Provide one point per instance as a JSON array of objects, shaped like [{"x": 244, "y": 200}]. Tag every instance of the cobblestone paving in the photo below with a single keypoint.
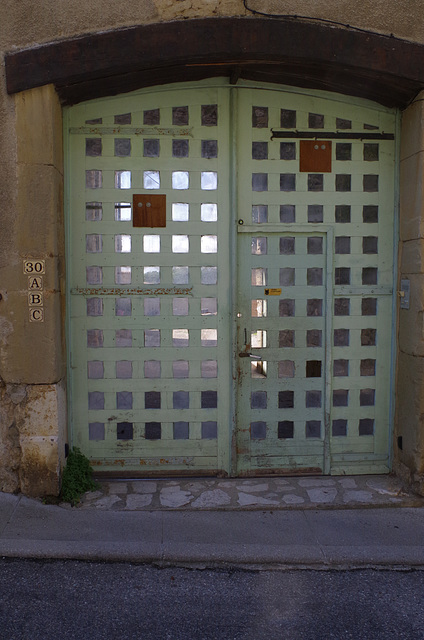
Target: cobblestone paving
[{"x": 248, "y": 494}]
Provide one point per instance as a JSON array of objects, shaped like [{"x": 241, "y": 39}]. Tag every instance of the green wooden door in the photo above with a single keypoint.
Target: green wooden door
[{"x": 244, "y": 252}]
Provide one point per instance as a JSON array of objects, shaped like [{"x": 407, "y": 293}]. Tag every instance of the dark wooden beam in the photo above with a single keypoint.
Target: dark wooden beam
[{"x": 286, "y": 51}]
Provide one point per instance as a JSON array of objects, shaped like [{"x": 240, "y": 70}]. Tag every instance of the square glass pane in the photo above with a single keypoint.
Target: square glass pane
[
  {"x": 313, "y": 429},
  {"x": 151, "y": 116},
  {"x": 151, "y": 179},
  {"x": 259, "y": 309},
  {"x": 208, "y": 306},
  {"x": 180, "y": 369},
  {"x": 368, "y": 337},
  {"x": 123, "y": 243},
  {"x": 208, "y": 180},
  {"x": 180, "y": 275},
  {"x": 315, "y": 121},
  {"x": 180, "y": 337},
  {"x": 122, "y": 211},
  {"x": 93, "y": 243},
  {"x": 342, "y": 213},
  {"x": 343, "y": 182},
  {"x": 93, "y": 211},
  {"x": 94, "y": 338},
  {"x": 258, "y": 369},
  {"x": 259, "y": 276},
  {"x": 152, "y": 369},
  {"x": 123, "y": 307},
  {"x": 153, "y": 431},
  {"x": 122, "y": 147},
  {"x": 286, "y": 338},
  {"x": 340, "y": 397},
  {"x": 151, "y": 148},
  {"x": 258, "y": 430},
  {"x": 343, "y": 151},
  {"x": 341, "y": 337},
  {"x": 122, "y": 275},
  {"x": 287, "y": 213},
  {"x": 315, "y": 182},
  {"x": 208, "y": 275},
  {"x": 180, "y": 307},
  {"x": 313, "y": 368},
  {"x": 286, "y": 308},
  {"x": 287, "y": 246},
  {"x": 286, "y": 399},
  {"x": 208, "y": 399},
  {"x": 342, "y": 307},
  {"x": 151, "y": 244},
  {"x": 367, "y": 397},
  {"x": 287, "y": 277},
  {"x": 286, "y": 369},
  {"x": 180, "y": 430},
  {"x": 152, "y": 337},
  {"x": 96, "y": 431},
  {"x": 368, "y": 367},
  {"x": 124, "y": 431},
  {"x": 93, "y": 179},
  {"x": 370, "y": 214},
  {"x": 93, "y": 147},
  {"x": 209, "y": 430},
  {"x": 285, "y": 429},
  {"x": 123, "y": 369},
  {"x": 209, "y": 115},
  {"x": 287, "y": 151},
  {"x": 123, "y": 338},
  {"x": 366, "y": 427},
  {"x": 314, "y": 307},
  {"x": 260, "y": 117},
  {"x": 96, "y": 400},
  {"x": 209, "y": 244},
  {"x": 124, "y": 400},
  {"x": 180, "y": 400},
  {"x": 122, "y": 179},
  {"x": 370, "y": 244},
  {"x": 208, "y": 212},
  {"x": 208, "y": 337},
  {"x": 180, "y": 180},
  {"x": 209, "y": 149},
  {"x": 151, "y": 275},
  {"x": 339, "y": 427},
  {"x": 342, "y": 275},
  {"x": 314, "y": 338},
  {"x": 180, "y": 211},
  {"x": 95, "y": 369},
  {"x": 313, "y": 399},
  {"x": 258, "y": 400},
  {"x": 209, "y": 369},
  {"x": 315, "y": 213},
  {"x": 370, "y": 183},
  {"x": 259, "y": 246},
  {"x": 258, "y": 339},
  {"x": 369, "y": 306},
  {"x": 152, "y": 400},
  {"x": 287, "y": 182},
  {"x": 259, "y": 150},
  {"x": 259, "y": 182},
  {"x": 340, "y": 368},
  {"x": 180, "y": 148},
  {"x": 342, "y": 244},
  {"x": 151, "y": 306},
  {"x": 180, "y": 244},
  {"x": 94, "y": 306},
  {"x": 287, "y": 119},
  {"x": 315, "y": 245},
  {"x": 259, "y": 213},
  {"x": 369, "y": 275},
  {"x": 180, "y": 115}
]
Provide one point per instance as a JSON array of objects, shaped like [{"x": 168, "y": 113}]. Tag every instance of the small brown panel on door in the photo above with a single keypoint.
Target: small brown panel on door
[
  {"x": 149, "y": 210},
  {"x": 315, "y": 156}
]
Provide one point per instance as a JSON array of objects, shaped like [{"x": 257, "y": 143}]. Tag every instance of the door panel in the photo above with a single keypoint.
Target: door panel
[{"x": 250, "y": 330}]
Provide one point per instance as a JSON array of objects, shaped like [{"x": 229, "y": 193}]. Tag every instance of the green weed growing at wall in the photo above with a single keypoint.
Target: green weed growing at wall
[{"x": 77, "y": 477}]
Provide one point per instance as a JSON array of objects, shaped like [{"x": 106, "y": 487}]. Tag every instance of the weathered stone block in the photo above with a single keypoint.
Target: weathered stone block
[
  {"x": 411, "y": 197},
  {"x": 409, "y": 421},
  {"x": 411, "y": 321},
  {"x": 412, "y": 132}
]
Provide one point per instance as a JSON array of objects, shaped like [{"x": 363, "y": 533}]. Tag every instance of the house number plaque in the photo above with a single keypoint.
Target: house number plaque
[{"x": 35, "y": 270}]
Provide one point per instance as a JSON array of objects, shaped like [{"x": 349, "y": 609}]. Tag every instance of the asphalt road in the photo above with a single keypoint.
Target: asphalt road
[{"x": 93, "y": 601}]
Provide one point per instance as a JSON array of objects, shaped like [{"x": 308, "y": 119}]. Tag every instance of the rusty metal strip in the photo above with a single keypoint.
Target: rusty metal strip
[
  {"x": 133, "y": 291},
  {"x": 132, "y": 131}
]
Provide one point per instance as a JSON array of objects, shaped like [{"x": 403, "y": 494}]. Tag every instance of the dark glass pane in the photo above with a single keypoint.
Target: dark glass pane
[
  {"x": 339, "y": 427},
  {"x": 287, "y": 277},
  {"x": 313, "y": 429},
  {"x": 122, "y": 147},
  {"x": 370, "y": 214},
  {"x": 287, "y": 119},
  {"x": 209, "y": 430},
  {"x": 259, "y": 182},
  {"x": 341, "y": 337},
  {"x": 123, "y": 118},
  {"x": 342, "y": 213},
  {"x": 366, "y": 427},
  {"x": 152, "y": 116},
  {"x": 341, "y": 123},
  {"x": 124, "y": 400},
  {"x": 370, "y": 244},
  {"x": 180, "y": 400},
  {"x": 314, "y": 338},
  {"x": 343, "y": 151},
  {"x": 287, "y": 150},
  {"x": 259, "y": 117},
  {"x": 315, "y": 213},
  {"x": 314, "y": 277},
  {"x": 287, "y": 213},
  {"x": 153, "y": 431},
  {"x": 316, "y": 121},
  {"x": 314, "y": 245},
  {"x": 371, "y": 152},
  {"x": 287, "y": 182},
  {"x": 368, "y": 337},
  {"x": 367, "y": 397},
  {"x": 93, "y": 146},
  {"x": 259, "y": 150},
  {"x": 369, "y": 275},
  {"x": 285, "y": 399},
  {"x": 179, "y": 115},
  {"x": 286, "y": 429},
  {"x": 342, "y": 307},
  {"x": 209, "y": 399},
  {"x": 286, "y": 308},
  {"x": 209, "y": 148},
  {"x": 286, "y": 338},
  {"x": 209, "y": 115},
  {"x": 258, "y": 400},
  {"x": 313, "y": 368},
  {"x": 342, "y": 244},
  {"x": 343, "y": 182},
  {"x": 368, "y": 367},
  {"x": 152, "y": 400},
  {"x": 151, "y": 148},
  {"x": 342, "y": 275},
  {"x": 314, "y": 307},
  {"x": 124, "y": 431},
  {"x": 313, "y": 399},
  {"x": 287, "y": 246},
  {"x": 315, "y": 182},
  {"x": 180, "y": 148},
  {"x": 369, "y": 306},
  {"x": 181, "y": 430},
  {"x": 370, "y": 183},
  {"x": 340, "y": 397},
  {"x": 258, "y": 430},
  {"x": 340, "y": 368}
]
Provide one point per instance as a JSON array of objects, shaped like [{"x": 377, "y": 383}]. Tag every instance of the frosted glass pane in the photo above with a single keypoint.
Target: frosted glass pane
[
  {"x": 122, "y": 275},
  {"x": 95, "y": 369},
  {"x": 122, "y": 211},
  {"x": 124, "y": 369},
  {"x": 152, "y": 338},
  {"x": 180, "y": 307},
  {"x": 209, "y": 275},
  {"x": 180, "y": 369},
  {"x": 151, "y": 244},
  {"x": 123, "y": 306},
  {"x": 209, "y": 369},
  {"x": 94, "y": 275},
  {"x": 151, "y": 179},
  {"x": 152, "y": 369},
  {"x": 151, "y": 306},
  {"x": 180, "y": 180},
  {"x": 180, "y": 275},
  {"x": 151, "y": 275},
  {"x": 208, "y": 337},
  {"x": 180, "y": 211},
  {"x": 209, "y": 180},
  {"x": 180, "y": 337},
  {"x": 123, "y": 244},
  {"x": 122, "y": 179},
  {"x": 180, "y": 244},
  {"x": 208, "y": 307},
  {"x": 209, "y": 244},
  {"x": 209, "y": 212},
  {"x": 93, "y": 243}
]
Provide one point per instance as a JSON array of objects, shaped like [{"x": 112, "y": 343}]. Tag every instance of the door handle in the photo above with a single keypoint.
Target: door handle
[{"x": 243, "y": 354}]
